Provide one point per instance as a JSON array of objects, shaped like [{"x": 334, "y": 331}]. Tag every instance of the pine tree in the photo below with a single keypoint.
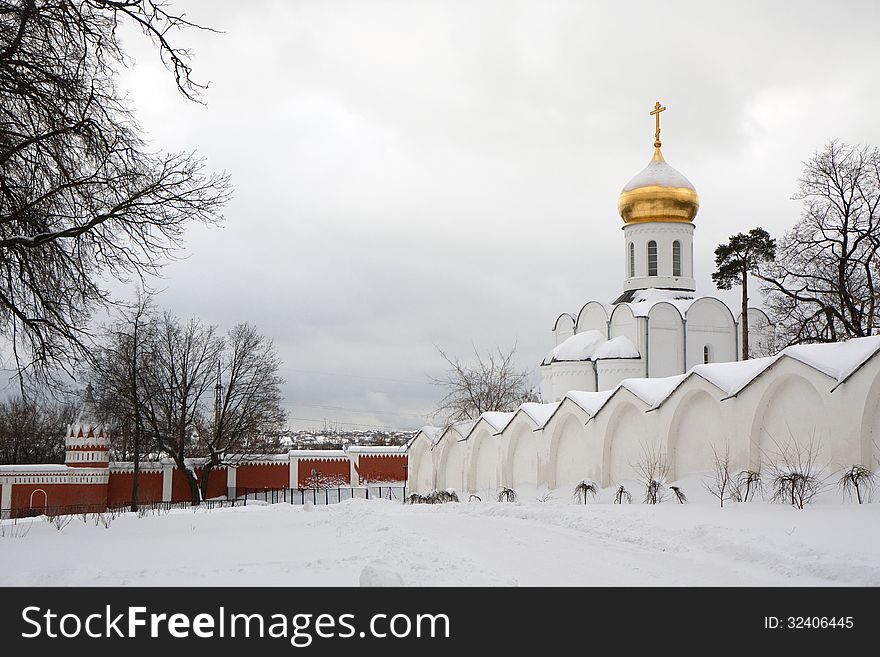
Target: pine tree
[{"x": 734, "y": 261}]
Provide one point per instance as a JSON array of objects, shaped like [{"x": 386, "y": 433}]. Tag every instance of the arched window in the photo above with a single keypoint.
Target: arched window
[
  {"x": 707, "y": 356},
  {"x": 676, "y": 258},
  {"x": 632, "y": 260},
  {"x": 652, "y": 258}
]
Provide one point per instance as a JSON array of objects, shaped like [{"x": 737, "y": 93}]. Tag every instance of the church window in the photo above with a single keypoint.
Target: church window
[
  {"x": 632, "y": 260},
  {"x": 652, "y": 258},
  {"x": 707, "y": 356},
  {"x": 676, "y": 258}
]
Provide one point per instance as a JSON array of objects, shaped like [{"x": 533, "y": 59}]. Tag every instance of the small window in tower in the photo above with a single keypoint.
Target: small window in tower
[
  {"x": 632, "y": 260},
  {"x": 652, "y": 258},
  {"x": 707, "y": 356},
  {"x": 676, "y": 258}
]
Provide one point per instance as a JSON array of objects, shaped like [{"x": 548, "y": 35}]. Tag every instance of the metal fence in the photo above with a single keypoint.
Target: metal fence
[
  {"x": 238, "y": 497},
  {"x": 323, "y": 495}
]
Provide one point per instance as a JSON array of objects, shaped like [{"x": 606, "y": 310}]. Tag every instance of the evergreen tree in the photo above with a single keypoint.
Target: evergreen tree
[{"x": 734, "y": 261}]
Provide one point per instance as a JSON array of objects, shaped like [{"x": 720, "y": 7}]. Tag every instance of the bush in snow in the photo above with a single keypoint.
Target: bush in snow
[
  {"x": 415, "y": 498},
  {"x": 652, "y": 469},
  {"x": 745, "y": 485},
  {"x": 59, "y": 521},
  {"x": 585, "y": 490},
  {"x": 721, "y": 485},
  {"x": 475, "y": 498},
  {"x": 679, "y": 494},
  {"x": 622, "y": 496},
  {"x": 795, "y": 474},
  {"x": 507, "y": 495},
  {"x": 859, "y": 480}
]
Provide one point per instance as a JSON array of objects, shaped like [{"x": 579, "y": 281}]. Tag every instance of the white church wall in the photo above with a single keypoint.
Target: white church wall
[
  {"x": 665, "y": 340},
  {"x": 709, "y": 323},
  {"x": 614, "y": 370},
  {"x": 761, "y": 334},
  {"x": 664, "y": 234},
  {"x": 561, "y": 376},
  {"x": 625, "y": 323},
  {"x": 563, "y": 329},
  {"x": 593, "y": 317}
]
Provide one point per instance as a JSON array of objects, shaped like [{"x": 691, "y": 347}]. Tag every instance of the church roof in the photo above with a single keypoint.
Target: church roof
[
  {"x": 641, "y": 301},
  {"x": 591, "y": 345}
]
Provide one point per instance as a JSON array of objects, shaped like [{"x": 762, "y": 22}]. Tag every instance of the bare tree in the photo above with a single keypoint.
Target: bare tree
[
  {"x": 32, "y": 429},
  {"x": 82, "y": 197},
  {"x": 119, "y": 388},
  {"x": 652, "y": 469},
  {"x": 721, "y": 485},
  {"x": 822, "y": 286},
  {"x": 490, "y": 382},
  {"x": 622, "y": 496},
  {"x": 247, "y": 411},
  {"x": 181, "y": 373}
]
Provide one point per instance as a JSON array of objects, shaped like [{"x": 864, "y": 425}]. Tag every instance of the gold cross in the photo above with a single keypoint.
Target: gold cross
[{"x": 656, "y": 114}]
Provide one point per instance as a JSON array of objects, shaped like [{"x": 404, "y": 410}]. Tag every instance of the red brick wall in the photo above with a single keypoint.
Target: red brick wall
[
  {"x": 119, "y": 488},
  {"x": 276, "y": 476},
  {"x": 335, "y": 472},
  {"x": 57, "y": 495},
  {"x": 381, "y": 468},
  {"x": 216, "y": 482}
]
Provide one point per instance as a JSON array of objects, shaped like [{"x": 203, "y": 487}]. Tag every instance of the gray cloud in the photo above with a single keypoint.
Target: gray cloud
[{"x": 411, "y": 174}]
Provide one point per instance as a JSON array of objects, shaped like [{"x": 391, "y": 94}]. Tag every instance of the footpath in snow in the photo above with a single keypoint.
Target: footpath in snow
[{"x": 375, "y": 542}]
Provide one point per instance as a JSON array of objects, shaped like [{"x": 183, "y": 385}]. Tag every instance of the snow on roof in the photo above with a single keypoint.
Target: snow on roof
[
  {"x": 496, "y": 419},
  {"x": 377, "y": 449},
  {"x": 658, "y": 172},
  {"x": 41, "y": 468},
  {"x": 653, "y": 391},
  {"x": 591, "y": 345},
  {"x": 732, "y": 377},
  {"x": 643, "y": 300},
  {"x": 430, "y": 432},
  {"x": 318, "y": 454},
  {"x": 590, "y": 402},
  {"x": 836, "y": 359},
  {"x": 539, "y": 413}
]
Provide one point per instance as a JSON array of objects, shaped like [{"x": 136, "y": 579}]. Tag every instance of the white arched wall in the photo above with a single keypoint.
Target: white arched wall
[
  {"x": 451, "y": 468},
  {"x": 710, "y": 323},
  {"x": 563, "y": 329},
  {"x": 424, "y": 468},
  {"x": 626, "y": 439},
  {"x": 791, "y": 410},
  {"x": 521, "y": 462},
  {"x": 483, "y": 462},
  {"x": 666, "y": 340},
  {"x": 593, "y": 317},
  {"x": 695, "y": 430},
  {"x": 569, "y": 459},
  {"x": 623, "y": 322}
]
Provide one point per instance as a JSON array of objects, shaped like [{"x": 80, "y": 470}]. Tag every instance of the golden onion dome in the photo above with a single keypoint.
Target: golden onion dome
[{"x": 658, "y": 192}]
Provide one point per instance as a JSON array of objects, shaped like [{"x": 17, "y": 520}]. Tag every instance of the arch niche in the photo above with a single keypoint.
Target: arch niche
[
  {"x": 693, "y": 434},
  {"x": 569, "y": 461}
]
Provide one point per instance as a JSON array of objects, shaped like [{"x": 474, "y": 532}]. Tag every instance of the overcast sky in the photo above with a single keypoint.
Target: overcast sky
[{"x": 411, "y": 174}]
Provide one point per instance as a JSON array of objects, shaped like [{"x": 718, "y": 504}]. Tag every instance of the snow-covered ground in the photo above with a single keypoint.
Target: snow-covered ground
[{"x": 529, "y": 543}]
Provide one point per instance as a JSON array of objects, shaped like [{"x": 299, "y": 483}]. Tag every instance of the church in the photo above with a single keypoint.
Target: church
[
  {"x": 658, "y": 326},
  {"x": 660, "y": 370}
]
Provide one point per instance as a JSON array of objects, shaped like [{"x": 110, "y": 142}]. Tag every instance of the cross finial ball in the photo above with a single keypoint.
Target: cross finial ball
[{"x": 656, "y": 115}]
